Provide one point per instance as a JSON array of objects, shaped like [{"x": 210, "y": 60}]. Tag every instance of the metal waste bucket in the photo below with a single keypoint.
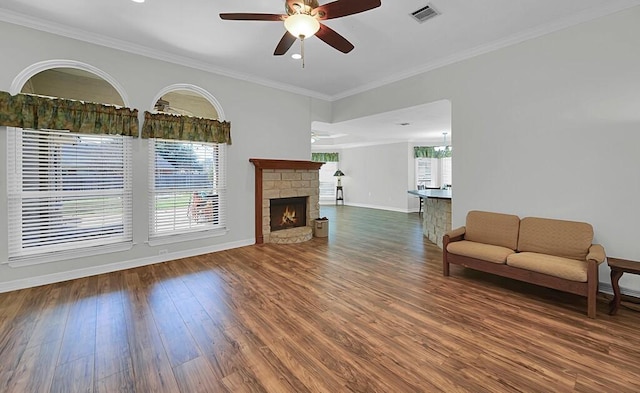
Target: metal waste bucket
[{"x": 321, "y": 227}]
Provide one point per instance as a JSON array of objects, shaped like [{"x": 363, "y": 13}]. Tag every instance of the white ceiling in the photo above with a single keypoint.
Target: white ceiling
[
  {"x": 389, "y": 43},
  {"x": 423, "y": 124}
]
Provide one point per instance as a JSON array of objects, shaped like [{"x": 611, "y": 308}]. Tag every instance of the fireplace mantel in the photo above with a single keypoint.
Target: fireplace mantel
[{"x": 262, "y": 164}]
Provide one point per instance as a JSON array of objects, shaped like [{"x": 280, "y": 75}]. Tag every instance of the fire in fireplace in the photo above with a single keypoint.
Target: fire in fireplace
[{"x": 288, "y": 213}]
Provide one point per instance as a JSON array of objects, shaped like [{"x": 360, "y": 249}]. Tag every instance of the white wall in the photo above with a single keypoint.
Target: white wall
[
  {"x": 383, "y": 189},
  {"x": 549, "y": 127},
  {"x": 259, "y": 129},
  {"x": 376, "y": 176}
]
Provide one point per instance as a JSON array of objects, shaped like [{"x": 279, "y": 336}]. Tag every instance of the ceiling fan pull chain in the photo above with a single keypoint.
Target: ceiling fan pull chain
[{"x": 302, "y": 49}]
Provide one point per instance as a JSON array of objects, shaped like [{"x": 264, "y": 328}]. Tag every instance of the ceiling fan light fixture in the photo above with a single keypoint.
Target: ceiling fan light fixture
[
  {"x": 296, "y": 56},
  {"x": 302, "y": 25}
]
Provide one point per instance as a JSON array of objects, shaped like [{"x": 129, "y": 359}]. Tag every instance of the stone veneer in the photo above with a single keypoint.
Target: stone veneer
[
  {"x": 436, "y": 219},
  {"x": 287, "y": 183}
]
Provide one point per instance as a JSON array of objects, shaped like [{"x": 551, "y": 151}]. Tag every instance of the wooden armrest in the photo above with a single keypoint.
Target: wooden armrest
[
  {"x": 596, "y": 253},
  {"x": 457, "y": 234}
]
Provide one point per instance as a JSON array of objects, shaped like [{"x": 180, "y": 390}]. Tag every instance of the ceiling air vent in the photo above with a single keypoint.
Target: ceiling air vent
[{"x": 424, "y": 13}]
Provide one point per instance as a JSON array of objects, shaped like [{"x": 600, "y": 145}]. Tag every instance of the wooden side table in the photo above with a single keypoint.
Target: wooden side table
[{"x": 618, "y": 267}]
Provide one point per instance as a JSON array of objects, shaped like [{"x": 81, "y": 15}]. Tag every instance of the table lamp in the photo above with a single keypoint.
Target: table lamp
[{"x": 339, "y": 174}]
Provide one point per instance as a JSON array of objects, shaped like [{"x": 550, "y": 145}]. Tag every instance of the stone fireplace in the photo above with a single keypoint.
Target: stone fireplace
[{"x": 285, "y": 179}]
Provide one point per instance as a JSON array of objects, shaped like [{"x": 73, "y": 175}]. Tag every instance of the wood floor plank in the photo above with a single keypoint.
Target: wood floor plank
[
  {"x": 151, "y": 366},
  {"x": 74, "y": 376},
  {"x": 51, "y": 322},
  {"x": 120, "y": 382},
  {"x": 210, "y": 338},
  {"x": 22, "y": 317},
  {"x": 35, "y": 371},
  {"x": 243, "y": 381},
  {"x": 175, "y": 336},
  {"x": 79, "y": 339},
  {"x": 364, "y": 310},
  {"x": 195, "y": 376},
  {"x": 112, "y": 343}
]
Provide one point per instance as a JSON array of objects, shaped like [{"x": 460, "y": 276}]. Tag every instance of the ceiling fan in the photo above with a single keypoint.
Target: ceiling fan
[
  {"x": 163, "y": 106},
  {"x": 302, "y": 20}
]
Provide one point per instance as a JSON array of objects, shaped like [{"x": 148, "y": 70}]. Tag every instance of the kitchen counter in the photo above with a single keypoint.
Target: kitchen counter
[
  {"x": 436, "y": 219},
  {"x": 432, "y": 193}
]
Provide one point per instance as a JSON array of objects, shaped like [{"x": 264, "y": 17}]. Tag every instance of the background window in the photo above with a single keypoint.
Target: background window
[
  {"x": 423, "y": 173},
  {"x": 433, "y": 172},
  {"x": 328, "y": 181}
]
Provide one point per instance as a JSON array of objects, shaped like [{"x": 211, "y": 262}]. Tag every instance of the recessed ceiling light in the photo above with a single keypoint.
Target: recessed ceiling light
[
  {"x": 296, "y": 56},
  {"x": 138, "y": 1}
]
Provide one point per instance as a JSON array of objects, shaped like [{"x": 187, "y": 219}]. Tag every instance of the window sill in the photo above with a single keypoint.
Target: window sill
[
  {"x": 66, "y": 255},
  {"x": 169, "y": 239}
]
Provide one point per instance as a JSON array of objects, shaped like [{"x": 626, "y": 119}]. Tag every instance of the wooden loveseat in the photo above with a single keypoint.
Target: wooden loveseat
[{"x": 556, "y": 254}]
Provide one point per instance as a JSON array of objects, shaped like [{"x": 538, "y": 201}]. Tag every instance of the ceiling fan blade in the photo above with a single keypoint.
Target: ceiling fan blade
[
  {"x": 284, "y": 44},
  {"x": 340, "y": 8},
  {"x": 292, "y": 5},
  {"x": 334, "y": 39},
  {"x": 251, "y": 16}
]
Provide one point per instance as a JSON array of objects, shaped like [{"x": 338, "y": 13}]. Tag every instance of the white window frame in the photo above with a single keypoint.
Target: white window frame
[
  {"x": 83, "y": 207},
  {"x": 190, "y": 209}
]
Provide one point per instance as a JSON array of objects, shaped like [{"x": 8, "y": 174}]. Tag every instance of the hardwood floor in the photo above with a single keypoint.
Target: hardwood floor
[{"x": 365, "y": 310}]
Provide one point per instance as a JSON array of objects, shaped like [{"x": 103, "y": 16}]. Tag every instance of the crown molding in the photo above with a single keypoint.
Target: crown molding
[
  {"x": 97, "y": 39},
  {"x": 561, "y": 24}
]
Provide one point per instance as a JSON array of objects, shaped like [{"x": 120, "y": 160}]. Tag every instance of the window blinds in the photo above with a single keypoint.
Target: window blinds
[
  {"x": 187, "y": 187},
  {"x": 423, "y": 172},
  {"x": 67, "y": 191}
]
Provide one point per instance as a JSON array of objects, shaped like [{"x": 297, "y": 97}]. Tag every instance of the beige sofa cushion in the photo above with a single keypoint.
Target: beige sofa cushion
[
  {"x": 567, "y": 239},
  {"x": 486, "y": 252},
  {"x": 492, "y": 228},
  {"x": 569, "y": 269}
]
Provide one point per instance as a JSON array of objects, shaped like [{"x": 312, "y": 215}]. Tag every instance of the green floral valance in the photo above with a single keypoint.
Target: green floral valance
[
  {"x": 185, "y": 128},
  {"x": 324, "y": 157},
  {"x": 37, "y": 112},
  {"x": 431, "y": 151}
]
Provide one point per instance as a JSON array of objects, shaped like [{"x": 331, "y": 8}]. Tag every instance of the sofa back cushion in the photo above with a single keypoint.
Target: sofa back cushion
[
  {"x": 492, "y": 228},
  {"x": 568, "y": 239}
]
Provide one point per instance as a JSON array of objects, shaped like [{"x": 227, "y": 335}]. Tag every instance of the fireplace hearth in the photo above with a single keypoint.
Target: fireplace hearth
[{"x": 287, "y": 213}]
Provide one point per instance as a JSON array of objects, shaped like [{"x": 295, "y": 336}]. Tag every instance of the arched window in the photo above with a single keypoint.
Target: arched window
[
  {"x": 186, "y": 103},
  {"x": 73, "y": 84},
  {"x": 187, "y": 160},
  {"x": 69, "y": 172}
]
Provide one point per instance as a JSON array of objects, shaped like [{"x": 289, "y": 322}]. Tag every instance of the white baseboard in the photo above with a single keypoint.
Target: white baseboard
[
  {"x": 112, "y": 267},
  {"x": 393, "y": 209},
  {"x": 607, "y": 288}
]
